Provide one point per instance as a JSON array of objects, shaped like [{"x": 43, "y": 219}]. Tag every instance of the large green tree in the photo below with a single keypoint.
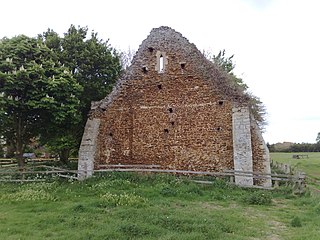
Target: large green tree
[
  {"x": 36, "y": 92},
  {"x": 226, "y": 64},
  {"x": 95, "y": 65}
]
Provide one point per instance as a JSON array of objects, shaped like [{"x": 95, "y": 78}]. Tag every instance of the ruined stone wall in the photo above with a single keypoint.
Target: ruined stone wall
[
  {"x": 174, "y": 108},
  {"x": 88, "y": 150},
  {"x": 179, "y": 117},
  {"x": 260, "y": 152},
  {"x": 171, "y": 119}
]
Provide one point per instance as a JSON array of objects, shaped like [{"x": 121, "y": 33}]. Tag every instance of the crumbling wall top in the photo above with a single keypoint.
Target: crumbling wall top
[{"x": 168, "y": 40}]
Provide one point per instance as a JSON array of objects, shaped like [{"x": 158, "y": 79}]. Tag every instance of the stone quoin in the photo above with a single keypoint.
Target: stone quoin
[{"x": 176, "y": 109}]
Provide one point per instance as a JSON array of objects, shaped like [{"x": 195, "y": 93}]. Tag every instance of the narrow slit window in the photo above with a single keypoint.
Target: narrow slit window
[
  {"x": 161, "y": 64},
  {"x": 145, "y": 69},
  {"x": 170, "y": 110},
  {"x": 159, "y": 86}
]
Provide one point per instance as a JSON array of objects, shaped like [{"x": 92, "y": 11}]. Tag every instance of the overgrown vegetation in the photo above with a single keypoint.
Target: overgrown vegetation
[
  {"x": 36, "y": 91},
  {"x": 47, "y": 84},
  {"x": 256, "y": 106},
  {"x": 151, "y": 206}
]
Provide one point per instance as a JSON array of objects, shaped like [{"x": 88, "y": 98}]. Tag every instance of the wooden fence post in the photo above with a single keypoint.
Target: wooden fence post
[{"x": 300, "y": 183}]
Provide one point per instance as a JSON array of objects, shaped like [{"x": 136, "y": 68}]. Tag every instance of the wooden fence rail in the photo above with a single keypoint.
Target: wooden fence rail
[
  {"x": 7, "y": 174},
  {"x": 35, "y": 173},
  {"x": 298, "y": 180}
]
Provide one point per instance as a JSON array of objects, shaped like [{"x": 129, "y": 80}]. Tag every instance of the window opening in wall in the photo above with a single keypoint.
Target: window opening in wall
[
  {"x": 145, "y": 69},
  {"x": 170, "y": 110},
  {"x": 183, "y": 65},
  {"x": 172, "y": 123},
  {"x": 166, "y": 130},
  {"x": 161, "y": 64},
  {"x": 159, "y": 86},
  {"x": 110, "y": 134},
  {"x": 150, "y": 49},
  {"x": 220, "y": 103},
  {"x": 219, "y": 128}
]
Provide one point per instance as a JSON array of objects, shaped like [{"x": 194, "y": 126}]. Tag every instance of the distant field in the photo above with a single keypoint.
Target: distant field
[{"x": 310, "y": 165}]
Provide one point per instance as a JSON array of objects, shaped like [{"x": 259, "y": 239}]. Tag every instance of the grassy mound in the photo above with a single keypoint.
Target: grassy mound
[{"x": 153, "y": 206}]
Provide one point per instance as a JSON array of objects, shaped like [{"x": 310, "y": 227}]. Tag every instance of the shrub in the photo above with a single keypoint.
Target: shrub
[
  {"x": 123, "y": 199},
  {"x": 221, "y": 184},
  {"x": 168, "y": 192},
  {"x": 46, "y": 186},
  {"x": 78, "y": 208},
  {"x": 194, "y": 189},
  {"x": 133, "y": 230},
  {"x": 258, "y": 198},
  {"x": 116, "y": 183},
  {"x": 296, "y": 222},
  {"x": 317, "y": 209},
  {"x": 28, "y": 195}
]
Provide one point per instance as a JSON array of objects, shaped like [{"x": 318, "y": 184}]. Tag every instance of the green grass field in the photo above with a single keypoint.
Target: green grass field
[
  {"x": 311, "y": 165},
  {"x": 135, "y": 206}
]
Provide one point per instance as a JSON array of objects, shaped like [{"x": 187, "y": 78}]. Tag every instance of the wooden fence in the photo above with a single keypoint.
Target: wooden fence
[
  {"x": 297, "y": 180},
  {"x": 9, "y": 172},
  {"x": 36, "y": 173}
]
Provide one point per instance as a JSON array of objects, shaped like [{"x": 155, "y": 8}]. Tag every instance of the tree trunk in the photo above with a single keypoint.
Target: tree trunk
[
  {"x": 19, "y": 142},
  {"x": 11, "y": 148},
  {"x": 19, "y": 155},
  {"x": 64, "y": 156}
]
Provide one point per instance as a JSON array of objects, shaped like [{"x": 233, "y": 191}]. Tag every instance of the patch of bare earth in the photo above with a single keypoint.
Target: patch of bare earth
[
  {"x": 210, "y": 206},
  {"x": 274, "y": 230}
]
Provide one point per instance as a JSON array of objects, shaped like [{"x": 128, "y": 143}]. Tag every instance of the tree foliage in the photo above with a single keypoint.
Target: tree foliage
[
  {"x": 297, "y": 147},
  {"x": 258, "y": 110},
  {"x": 36, "y": 91},
  {"x": 256, "y": 106},
  {"x": 96, "y": 67}
]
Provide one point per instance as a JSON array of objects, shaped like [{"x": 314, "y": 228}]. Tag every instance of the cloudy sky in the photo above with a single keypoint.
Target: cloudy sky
[{"x": 276, "y": 43}]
